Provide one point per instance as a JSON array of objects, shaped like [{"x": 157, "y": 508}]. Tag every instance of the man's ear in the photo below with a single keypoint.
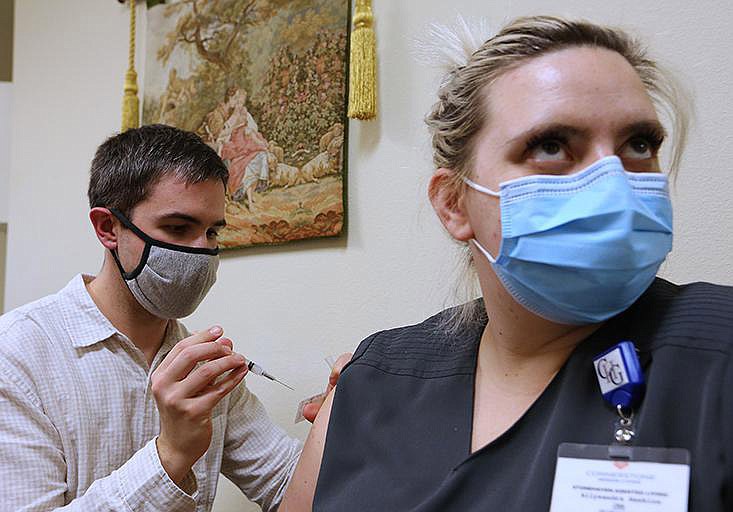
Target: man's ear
[
  {"x": 448, "y": 203},
  {"x": 105, "y": 226}
]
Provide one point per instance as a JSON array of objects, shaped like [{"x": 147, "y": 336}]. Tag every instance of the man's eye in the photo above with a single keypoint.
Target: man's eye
[
  {"x": 177, "y": 228},
  {"x": 212, "y": 233}
]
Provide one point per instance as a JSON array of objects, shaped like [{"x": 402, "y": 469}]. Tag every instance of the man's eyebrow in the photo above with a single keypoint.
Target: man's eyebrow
[{"x": 189, "y": 218}]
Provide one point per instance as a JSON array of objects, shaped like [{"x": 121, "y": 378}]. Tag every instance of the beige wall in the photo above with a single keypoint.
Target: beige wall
[
  {"x": 288, "y": 307},
  {"x": 6, "y": 97},
  {"x": 6, "y": 40},
  {"x": 3, "y": 242},
  {"x": 6, "y": 73}
]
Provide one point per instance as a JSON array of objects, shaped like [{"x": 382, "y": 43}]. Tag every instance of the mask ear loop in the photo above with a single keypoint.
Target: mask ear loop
[
  {"x": 487, "y": 191},
  {"x": 484, "y": 251},
  {"x": 128, "y": 276},
  {"x": 481, "y": 188}
]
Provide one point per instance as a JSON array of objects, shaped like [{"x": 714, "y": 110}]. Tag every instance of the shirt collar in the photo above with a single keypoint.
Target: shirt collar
[
  {"x": 84, "y": 322},
  {"x": 87, "y": 325}
]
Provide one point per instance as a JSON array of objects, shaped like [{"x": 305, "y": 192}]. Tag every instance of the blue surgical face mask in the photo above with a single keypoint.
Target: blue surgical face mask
[{"x": 581, "y": 248}]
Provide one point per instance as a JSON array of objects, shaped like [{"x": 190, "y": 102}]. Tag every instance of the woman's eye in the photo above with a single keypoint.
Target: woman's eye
[
  {"x": 638, "y": 148},
  {"x": 549, "y": 150}
]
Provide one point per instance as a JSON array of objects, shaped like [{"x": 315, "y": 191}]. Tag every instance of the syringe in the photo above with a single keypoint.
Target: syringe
[{"x": 258, "y": 370}]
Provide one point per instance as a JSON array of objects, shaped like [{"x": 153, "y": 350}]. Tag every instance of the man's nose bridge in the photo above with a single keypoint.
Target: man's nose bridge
[{"x": 202, "y": 241}]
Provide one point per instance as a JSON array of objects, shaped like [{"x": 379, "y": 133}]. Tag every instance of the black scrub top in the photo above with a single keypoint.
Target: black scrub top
[{"x": 399, "y": 436}]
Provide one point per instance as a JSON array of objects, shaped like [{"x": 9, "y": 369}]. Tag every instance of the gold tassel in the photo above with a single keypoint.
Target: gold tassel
[
  {"x": 363, "y": 65},
  {"x": 130, "y": 103}
]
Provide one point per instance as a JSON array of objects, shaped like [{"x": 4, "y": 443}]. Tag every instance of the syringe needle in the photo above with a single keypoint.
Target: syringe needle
[
  {"x": 265, "y": 374},
  {"x": 258, "y": 370}
]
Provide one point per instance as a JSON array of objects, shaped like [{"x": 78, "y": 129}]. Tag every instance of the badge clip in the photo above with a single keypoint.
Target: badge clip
[{"x": 621, "y": 381}]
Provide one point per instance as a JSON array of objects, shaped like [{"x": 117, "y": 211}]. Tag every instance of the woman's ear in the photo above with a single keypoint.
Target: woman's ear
[
  {"x": 105, "y": 227},
  {"x": 448, "y": 203}
]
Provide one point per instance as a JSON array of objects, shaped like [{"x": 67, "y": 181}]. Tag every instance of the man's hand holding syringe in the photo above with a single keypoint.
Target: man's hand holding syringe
[{"x": 195, "y": 375}]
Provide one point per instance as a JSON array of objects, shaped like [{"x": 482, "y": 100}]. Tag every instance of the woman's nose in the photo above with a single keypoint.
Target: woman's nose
[{"x": 599, "y": 151}]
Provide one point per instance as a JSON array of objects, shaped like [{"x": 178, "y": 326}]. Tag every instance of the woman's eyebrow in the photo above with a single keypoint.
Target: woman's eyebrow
[
  {"x": 650, "y": 125},
  {"x": 556, "y": 129},
  {"x": 565, "y": 130}
]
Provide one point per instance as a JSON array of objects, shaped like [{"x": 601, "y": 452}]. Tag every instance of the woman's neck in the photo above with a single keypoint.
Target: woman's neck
[
  {"x": 519, "y": 347},
  {"x": 519, "y": 355}
]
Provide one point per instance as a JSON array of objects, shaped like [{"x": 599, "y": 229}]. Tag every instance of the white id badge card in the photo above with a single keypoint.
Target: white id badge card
[{"x": 602, "y": 478}]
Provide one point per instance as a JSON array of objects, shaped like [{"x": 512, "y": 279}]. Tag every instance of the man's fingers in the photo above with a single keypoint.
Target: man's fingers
[
  {"x": 202, "y": 376},
  {"x": 208, "y": 335},
  {"x": 211, "y": 396},
  {"x": 188, "y": 358}
]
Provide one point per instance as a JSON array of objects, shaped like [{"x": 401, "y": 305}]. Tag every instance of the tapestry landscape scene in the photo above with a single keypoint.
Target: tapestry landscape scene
[{"x": 264, "y": 83}]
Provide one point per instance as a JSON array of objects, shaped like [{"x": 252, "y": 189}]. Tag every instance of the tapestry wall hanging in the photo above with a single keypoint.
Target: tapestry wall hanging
[{"x": 264, "y": 83}]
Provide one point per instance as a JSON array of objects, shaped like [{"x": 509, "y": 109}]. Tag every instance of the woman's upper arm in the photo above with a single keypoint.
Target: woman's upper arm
[{"x": 302, "y": 487}]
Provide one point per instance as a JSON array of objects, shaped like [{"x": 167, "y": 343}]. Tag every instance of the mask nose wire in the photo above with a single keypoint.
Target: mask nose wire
[{"x": 487, "y": 191}]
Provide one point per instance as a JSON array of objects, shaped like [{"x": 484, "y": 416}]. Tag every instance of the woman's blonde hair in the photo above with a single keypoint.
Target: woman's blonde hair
[{"x": 460, "y": 113}]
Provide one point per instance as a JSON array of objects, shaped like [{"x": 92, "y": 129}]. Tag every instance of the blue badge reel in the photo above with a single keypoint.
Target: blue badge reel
[{"x": 620, "y": 376}]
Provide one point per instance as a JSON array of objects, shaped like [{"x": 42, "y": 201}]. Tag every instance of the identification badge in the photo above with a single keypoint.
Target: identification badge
[{"x": 602, "y": 478}]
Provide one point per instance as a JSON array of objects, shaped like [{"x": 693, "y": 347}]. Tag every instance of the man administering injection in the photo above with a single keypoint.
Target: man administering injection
[{"x": 107, "y": 402}]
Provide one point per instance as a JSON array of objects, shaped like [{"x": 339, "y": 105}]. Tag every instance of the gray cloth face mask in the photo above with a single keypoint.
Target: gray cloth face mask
[{"x": 171, "y": 280}]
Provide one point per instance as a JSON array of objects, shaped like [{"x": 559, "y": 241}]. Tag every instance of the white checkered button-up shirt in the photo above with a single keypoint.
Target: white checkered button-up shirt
[{"x": 78, "y": 420}]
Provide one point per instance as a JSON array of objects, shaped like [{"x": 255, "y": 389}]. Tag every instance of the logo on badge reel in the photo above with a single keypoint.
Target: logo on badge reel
[{"x": 619, "y": 375}]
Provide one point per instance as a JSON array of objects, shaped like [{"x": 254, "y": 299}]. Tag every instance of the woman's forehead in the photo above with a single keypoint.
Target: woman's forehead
[{"x": 581, "y": 85}]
